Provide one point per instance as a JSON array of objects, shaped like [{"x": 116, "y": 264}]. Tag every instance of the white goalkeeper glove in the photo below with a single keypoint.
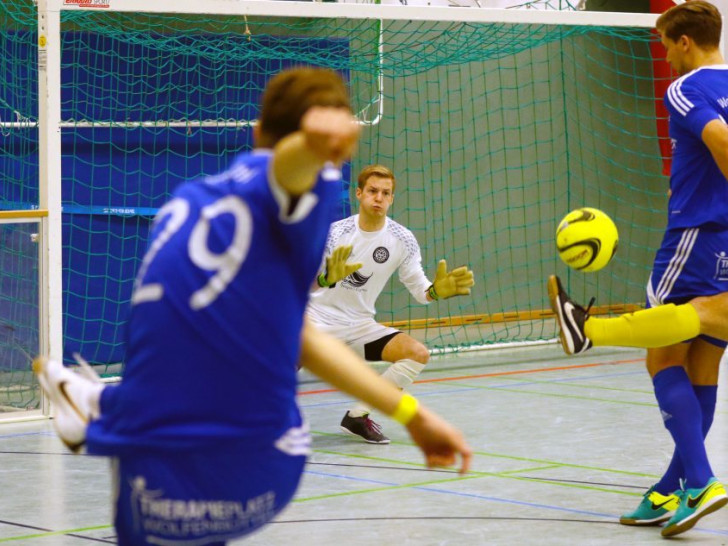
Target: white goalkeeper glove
[
  {"x": 337, "y": 267},
  {"x": 451, "y": 283}
]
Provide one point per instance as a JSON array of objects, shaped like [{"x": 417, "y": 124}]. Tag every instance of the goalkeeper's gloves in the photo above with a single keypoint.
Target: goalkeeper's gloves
[
  {"x": 451, "y": 283},
  {"x": 336, "y": 267}
]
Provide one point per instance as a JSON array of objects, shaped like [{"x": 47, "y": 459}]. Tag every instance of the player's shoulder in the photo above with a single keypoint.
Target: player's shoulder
[
  {"x": 342, "y": 227},
  {"x": 347, "y": 224},
  {"x": 247, "y": 166},
  {"x": 400, "y": 232},
  {"x": 244, "y": 168},
  {"x": 245, "y": 177},
  {"x": 705, "y": 80}
]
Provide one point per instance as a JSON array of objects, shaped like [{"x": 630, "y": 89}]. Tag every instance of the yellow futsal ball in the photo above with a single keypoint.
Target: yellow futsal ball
[{"x": 586, "y": 239}]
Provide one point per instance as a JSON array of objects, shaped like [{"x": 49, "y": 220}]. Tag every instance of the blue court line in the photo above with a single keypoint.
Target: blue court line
[
  {"x": 466, "y": 389},
  {"x": 503, "y": 386},
  {"x": 21, "y": 434},
  {"x": 548, "y": 507},
  {"x": 419, "y": 395},
  {"x": 343, "y": 477},
  {"x": 501, "y": 500},
  {"x": 571, "y": 379}
]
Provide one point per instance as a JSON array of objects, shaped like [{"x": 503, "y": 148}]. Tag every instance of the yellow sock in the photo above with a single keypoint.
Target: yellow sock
[{"x": 656, "y": 327}]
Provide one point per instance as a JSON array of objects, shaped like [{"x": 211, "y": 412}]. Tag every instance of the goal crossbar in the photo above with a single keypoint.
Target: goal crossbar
[{"x": 363, "y": 11}]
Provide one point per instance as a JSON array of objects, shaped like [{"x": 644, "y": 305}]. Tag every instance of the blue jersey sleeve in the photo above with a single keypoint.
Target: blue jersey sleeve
[{"x": 689, "y": 106}]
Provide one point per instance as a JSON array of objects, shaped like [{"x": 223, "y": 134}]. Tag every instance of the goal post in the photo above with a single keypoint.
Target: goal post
[
  {"x": 496, "y": 122},
  {"x": 50, "y": 179}
]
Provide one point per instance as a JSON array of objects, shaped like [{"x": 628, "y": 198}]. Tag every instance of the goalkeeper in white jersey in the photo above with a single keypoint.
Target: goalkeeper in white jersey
[{"x": 362, "y": 252}]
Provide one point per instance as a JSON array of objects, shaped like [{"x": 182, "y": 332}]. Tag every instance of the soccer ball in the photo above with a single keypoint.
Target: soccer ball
[{"x": 586, "y": 239}]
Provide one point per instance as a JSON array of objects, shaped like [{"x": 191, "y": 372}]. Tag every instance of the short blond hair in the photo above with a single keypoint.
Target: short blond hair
[{"x": 375, "y": 170}]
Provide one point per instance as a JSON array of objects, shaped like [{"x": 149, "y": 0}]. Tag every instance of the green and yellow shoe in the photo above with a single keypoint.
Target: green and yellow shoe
[
  {"x": 653, "y": 510},
  {"x": 694, "y": 504}
]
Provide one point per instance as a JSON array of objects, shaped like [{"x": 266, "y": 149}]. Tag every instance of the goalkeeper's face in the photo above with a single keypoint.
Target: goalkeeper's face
[{"x": 375, "y": 197}]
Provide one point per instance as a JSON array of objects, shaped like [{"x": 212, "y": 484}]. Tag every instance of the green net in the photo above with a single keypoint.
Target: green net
[
  {"x": 19, "y": 312},
  {"x": 19, "y": 296},
  {"x": 494, "y": 131}
]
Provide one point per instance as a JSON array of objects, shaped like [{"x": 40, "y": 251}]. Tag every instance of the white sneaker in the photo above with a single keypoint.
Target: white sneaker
[{"x": 75, "y": 398}]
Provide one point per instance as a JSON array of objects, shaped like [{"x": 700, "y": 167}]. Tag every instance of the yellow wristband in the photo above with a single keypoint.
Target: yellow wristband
[{"x": 406, "y": 409}]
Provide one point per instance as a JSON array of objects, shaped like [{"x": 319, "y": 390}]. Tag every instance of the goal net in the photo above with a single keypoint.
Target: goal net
[{"x": 495, "y": 122}]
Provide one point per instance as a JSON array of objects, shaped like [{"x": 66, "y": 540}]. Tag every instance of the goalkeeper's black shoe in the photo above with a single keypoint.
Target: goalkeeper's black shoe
[
  {"x": 365, "y": 428},
  {"x": 570, "y": 317}
]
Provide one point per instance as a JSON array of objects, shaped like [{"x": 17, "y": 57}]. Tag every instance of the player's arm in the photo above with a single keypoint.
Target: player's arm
[
  {"x": 456, "y": 282},
  {"x": 326, "y": 134},
  {"x": 335, "y": 363},
  {"x": 715, "y": 137},
  {"x": 337, "y": 267}
]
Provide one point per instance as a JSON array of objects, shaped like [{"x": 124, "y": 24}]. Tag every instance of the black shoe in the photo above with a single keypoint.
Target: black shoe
[
  {"x": 570, "y": 317},
  {"x": 363, "y": 427}
]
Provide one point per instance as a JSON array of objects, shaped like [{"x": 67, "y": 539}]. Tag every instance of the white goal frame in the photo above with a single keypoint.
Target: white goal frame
[{"x": 49, "y": 82}]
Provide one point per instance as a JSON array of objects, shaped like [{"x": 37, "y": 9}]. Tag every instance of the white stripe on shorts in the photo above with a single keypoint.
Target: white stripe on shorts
[
  {"x": 677, "y": 264},
  {"x": 296, "y": 441}
]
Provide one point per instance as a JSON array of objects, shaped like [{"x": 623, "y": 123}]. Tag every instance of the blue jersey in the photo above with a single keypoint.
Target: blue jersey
[
  {"x": 217, "y": 312},
  {"x": 699, "y": 191}
]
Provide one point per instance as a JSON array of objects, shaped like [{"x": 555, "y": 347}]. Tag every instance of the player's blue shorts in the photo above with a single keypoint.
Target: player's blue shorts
[
  {"x": 691, "y": 262},
  {"x": 202, "y": 497}
]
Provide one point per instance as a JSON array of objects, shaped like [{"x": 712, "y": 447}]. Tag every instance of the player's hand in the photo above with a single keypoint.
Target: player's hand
[
  {"x": 439, "y": 441},
  {"x": 337, "y": 267},
  {"x": 452, "y": 283},
  {"x": 331, "y": 133}
]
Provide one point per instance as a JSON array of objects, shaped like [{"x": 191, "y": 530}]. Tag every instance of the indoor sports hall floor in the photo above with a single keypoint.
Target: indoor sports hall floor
[{"x": 562, "y": 447}]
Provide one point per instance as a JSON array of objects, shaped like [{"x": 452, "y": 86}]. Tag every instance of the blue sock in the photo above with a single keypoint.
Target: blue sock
[
  {"x": 670, "y": 481},
  {"x": 682, "y": 415},
  {"x": 707, "y": 395}
]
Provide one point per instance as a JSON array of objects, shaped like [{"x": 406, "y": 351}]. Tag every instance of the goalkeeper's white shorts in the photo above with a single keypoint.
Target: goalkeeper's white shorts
[{"x": 356, "y": 334}]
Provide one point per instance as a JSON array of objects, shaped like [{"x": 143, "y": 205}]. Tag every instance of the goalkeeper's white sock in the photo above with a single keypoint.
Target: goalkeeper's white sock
[
  {"x": 402, "y": 373},
  {"x": 360, "y": 410}
]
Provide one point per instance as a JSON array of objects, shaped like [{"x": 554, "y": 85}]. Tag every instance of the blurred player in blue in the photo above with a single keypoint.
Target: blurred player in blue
[
  {"x": 207, "y": 439},
  {"x": 685, "y": 328}
]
